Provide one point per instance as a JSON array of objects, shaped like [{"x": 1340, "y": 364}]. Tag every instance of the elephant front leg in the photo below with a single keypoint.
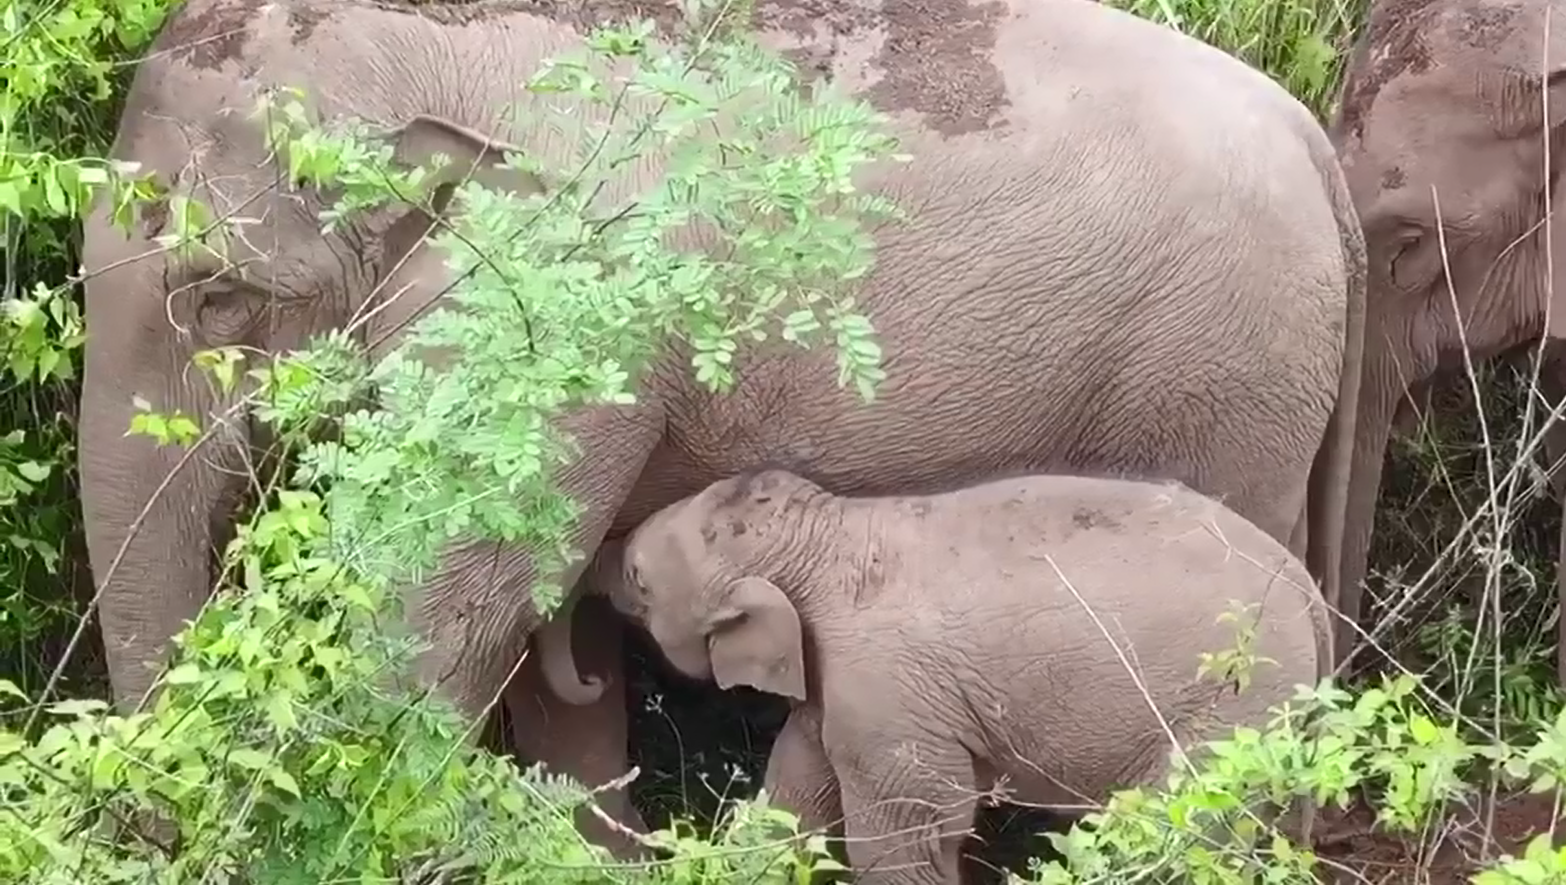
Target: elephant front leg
[
  {"x": 1552, "y": 385},
  {"x": 587, "y": 742},
  {"x": 906, "y": 810},
  {"x": 800, "y": 778}
]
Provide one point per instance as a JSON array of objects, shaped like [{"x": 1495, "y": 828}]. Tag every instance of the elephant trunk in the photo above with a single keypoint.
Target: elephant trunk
[
  {"x": 603, "y": 577},
  {"x": 559, "y": 664},
  {"x": 152, "y": 511},
  {"x": 1329, "y": 499},
  {"x": 1378, "y": 401}
]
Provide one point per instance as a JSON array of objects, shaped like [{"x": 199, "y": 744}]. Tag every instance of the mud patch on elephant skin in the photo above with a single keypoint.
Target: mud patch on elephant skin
[
  {"x": 1394, "y": 43},
  {"x": 1486, "y": 27},
  {"x": 303, "y": 20},
  {"x": 811, "y": 18},
  {"x": 154, "y": 215},
  {"x": 804, "y": 18},
  {"x": 936, "y": 58},
  {"x": 1088, "y": 518},
  {"x": 205, "y": 35},
  {"x": 939, "y": 61},
  {"x": 819, "y": 25},
  {"x": 759, "y": 483},
  {"x": 584, "y": 15},
  {"x": 718, "y": 529},
  {"x": 1393, "y": 179}
]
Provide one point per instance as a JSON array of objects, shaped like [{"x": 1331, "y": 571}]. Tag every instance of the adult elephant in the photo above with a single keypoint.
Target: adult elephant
[
  {"x": 1150, "y": 269},
  {"x": 1444, "y": 139}
]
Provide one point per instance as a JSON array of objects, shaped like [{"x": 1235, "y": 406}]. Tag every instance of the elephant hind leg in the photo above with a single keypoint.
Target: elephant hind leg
[{"x": 907, "y": 812}]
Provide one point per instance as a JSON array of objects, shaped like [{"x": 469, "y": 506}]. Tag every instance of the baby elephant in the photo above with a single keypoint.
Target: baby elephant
[{"x": 1039, "y": 634}]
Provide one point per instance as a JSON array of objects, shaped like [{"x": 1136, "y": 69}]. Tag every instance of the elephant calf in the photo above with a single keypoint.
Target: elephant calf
[{"x": 1024, "y": 629}]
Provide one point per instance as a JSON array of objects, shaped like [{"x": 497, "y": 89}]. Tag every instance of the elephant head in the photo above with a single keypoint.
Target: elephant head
[
  {"x": 155, "y": 515},
  {"x": 1450, "y": 155},
  {"x": 706, "y": 576}
]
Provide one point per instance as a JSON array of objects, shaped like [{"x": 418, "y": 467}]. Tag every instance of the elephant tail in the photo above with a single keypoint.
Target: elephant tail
[
  {"x": 558, "y": 663},
  {"x": 1330, "y": 473}
]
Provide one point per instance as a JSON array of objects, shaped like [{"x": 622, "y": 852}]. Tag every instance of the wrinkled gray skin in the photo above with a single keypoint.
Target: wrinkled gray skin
[
  {"x": 1145, "y": 268},
  {"x": 1046, "y": 630},
  {"x": 1447, "y": 96}
]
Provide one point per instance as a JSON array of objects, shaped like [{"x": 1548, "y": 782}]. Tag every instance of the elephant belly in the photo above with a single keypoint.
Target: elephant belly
[
  {"x": 938, "y": 427},
  {"x": 1078, "y": 779}
]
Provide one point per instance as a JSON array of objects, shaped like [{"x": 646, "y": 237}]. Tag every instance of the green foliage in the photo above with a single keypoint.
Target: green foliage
[
  {"x": 1299, "y": 43},
  {"x": 594, "y": 290},
  {"x": 1540, "y": 864},
  {"x": 1515, "y": 689},
  {"x": 1207, "y": 822},
  {"x": 54, "y": 51},
  {"x": 281, "y": 753},
  {"x": 1235, "y": 664},
  {"x": 58, "y": 73}
]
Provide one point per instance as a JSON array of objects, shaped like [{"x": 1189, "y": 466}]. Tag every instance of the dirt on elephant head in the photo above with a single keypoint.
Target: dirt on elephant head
[
  {"x": 1393, "y": 43},
  {"x": 1415, "y": 36},
  {"x": 206, "y": 33}
]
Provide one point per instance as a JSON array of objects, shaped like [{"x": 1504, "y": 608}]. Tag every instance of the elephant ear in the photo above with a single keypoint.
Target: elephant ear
[
  {"x": 755, "y": 640},
  {"x": 469, "y": 153}
]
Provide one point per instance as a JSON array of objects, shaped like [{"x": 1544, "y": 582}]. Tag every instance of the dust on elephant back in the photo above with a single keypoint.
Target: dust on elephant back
[
  {"x": 935, "y": 57},
  {"x": 931, "y": 57}
]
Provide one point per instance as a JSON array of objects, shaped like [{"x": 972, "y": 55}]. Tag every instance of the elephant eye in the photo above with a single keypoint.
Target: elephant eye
[
  {"x": 1409, "y": 261},
  {"x": 225, "y": 312}
]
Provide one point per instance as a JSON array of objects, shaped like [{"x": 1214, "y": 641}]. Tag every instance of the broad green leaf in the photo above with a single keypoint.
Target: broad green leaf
[
  {"x": 187, "y": 673},
  {"x": 78, "y": 707}
]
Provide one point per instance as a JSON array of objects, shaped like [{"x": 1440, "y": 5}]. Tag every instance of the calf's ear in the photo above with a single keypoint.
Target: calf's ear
[{"x": 755, "y": 639}]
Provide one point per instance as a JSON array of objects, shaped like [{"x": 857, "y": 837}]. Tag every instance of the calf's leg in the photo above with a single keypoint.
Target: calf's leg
[{"x": 906, "y": 810}]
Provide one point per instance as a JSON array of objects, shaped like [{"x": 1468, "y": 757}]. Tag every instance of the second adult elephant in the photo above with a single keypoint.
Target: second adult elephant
[
  {"x": 1452, "y": 139},
  {"x": 1149, "y": 269}
]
